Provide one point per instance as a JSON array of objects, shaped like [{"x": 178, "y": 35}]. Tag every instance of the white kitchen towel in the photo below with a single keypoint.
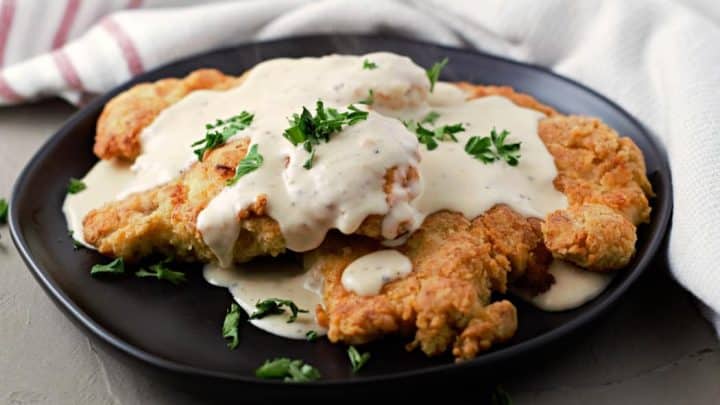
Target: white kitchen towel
[{"x": 659, "y": 59}]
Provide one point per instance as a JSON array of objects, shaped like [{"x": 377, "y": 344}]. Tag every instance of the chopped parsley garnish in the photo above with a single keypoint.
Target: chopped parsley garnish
[
  {"x": 251, "y": 162},
  {"x": 161, "y": 271},
  {"x": 287, "y": 369},
  {"x": 434, "y": 72},
  {"x": 116, "y": 266},
  {"x": 357, "y": 360},
  {"x": 309, "y": 162},
  {"x": 76, "y": 244},
  {"x": 75, "y": 186},
  {"x": 3, "y": 210},
  {"x": 310, "y": 130},
  {"x": 369, "y": 100},
  {"x": 274, "y": 306},
  {"x": 447, "y": 132},
  {"x": 425, "y": 137},
  {"x": 500, "y": 397},
  {"x": 311, "y": 336},
  {"x": 489, "y": 149},
  {"x": 429, "y": 137},
  {"x": 369, "y": 65},
  {"x": 230, "y": 326},
  {"x": 218, "y": 133},
  {"x": 430, "y": 118}
]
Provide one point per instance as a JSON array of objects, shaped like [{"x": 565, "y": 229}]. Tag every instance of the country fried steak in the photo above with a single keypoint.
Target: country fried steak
[{"x": 457, "y": 262}]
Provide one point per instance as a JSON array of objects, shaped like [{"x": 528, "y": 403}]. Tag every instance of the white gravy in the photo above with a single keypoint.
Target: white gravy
[
  {"x": 102, "y": 184},
  {"x": 455, "y": 181},
  {"x": 346, "y": 182},
  {"x": 277, "y": 278},
  {"x": 573, "y": 287},
  {"x": 367, "y": 274},
  {"x": 344, "y": 186}
]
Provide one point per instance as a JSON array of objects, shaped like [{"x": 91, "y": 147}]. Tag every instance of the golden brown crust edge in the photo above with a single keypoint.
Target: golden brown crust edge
[{"x": 125, "y": 115}]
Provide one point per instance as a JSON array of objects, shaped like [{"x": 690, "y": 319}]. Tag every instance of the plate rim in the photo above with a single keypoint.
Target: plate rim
[{"x": 78, "y": 316}]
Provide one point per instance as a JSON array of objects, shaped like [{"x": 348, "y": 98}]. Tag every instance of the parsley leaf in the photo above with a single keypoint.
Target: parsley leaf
[
  {"x": 429, "y": 137},
  {"x": 500, "y": 397},
  {"x": 116, "y": 266},
  {"x": 230, "y": 326},
  {"x": 251, "y": 162},
  {"x": 310, "y": 130},
  {"x": 162, "y": 272},
  {"x": 357, "y": 360},
  {"x": 430, "y": 118},
  {"x": 434, "y": 72},
  {"x": 301, "y": 372},
  {"x": 369, "y": 100},
  {"x": 311, "y": 336},
  {"x": 287, "y": 369},
  {"x": 76, "y": 244},
  {"x": 426, "y": 137},
  {"x": 218, "y": 133},
  {"x": 447, "y": 132},
  {"x": 480, "y": 149},
  {"x": 274, "y": 306},
  {"x": 510, "y": 152},
  {"x": 369, "y": 65},
  {"x": 309, "y": 162},
  {"x": 492, "y": 148},
  {"x": 3, "y": 210},
  {"x": 75, "y": 186}
]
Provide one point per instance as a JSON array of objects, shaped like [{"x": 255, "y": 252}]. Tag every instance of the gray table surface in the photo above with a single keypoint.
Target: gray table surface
[{"x": 654, "y": 347}]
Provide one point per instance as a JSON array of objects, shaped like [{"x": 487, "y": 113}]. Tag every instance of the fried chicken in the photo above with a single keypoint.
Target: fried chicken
[{"x": 445, "y": 301}]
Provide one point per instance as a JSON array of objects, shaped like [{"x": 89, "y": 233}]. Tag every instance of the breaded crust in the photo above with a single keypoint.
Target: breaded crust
[
  {"x": 123, "y": 118},
  {"x": 444, "y": 302},
  {"x": 591, "y": 235}
]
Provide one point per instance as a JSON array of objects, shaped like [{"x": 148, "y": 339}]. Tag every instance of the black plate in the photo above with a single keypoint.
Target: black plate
[{"x": 178, "y": 328}]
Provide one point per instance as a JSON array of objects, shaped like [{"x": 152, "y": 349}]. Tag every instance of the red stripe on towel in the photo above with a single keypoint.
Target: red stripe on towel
[
  {"x": 130, "y": 53},
  {"x": 7, "y": 12},
  {"x": 71, "y": 9},
  {"x": 7, "y": 92},
  {"x": 67, "y": 69}
]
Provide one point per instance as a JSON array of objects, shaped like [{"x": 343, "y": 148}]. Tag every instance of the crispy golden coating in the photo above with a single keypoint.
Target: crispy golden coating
[
  {"x": 591, "y": 235},
  {"x": 124, "y": 117},
  {"x": 595, "y": 167},
  {"x": 445, "y": 301}
]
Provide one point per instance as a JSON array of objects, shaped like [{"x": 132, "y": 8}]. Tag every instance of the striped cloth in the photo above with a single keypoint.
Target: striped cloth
[
  {"x": 32, "y": 28},
  {"x": 658, "y": 58}
]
